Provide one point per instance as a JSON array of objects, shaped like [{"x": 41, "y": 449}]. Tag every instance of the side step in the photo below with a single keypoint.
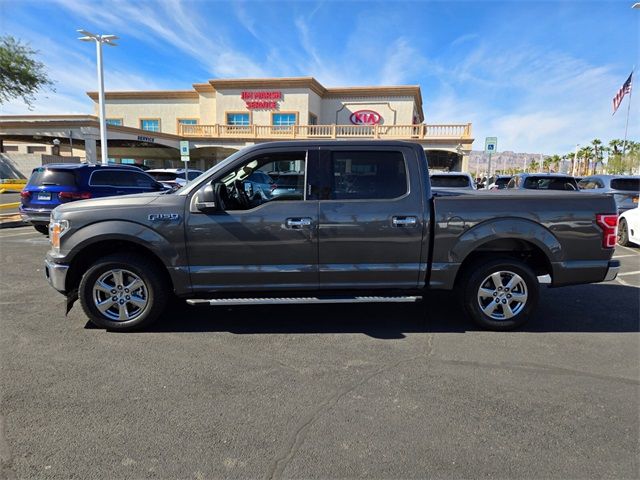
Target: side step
[{"x": 301, "y": 300}]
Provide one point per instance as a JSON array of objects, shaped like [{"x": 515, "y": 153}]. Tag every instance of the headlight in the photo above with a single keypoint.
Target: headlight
[{"x": 57, "y": 228}]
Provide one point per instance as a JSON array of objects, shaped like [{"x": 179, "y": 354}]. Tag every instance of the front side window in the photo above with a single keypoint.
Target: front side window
[
  {"x": 266, "y": 178},
  {"x": 150, "y": 124},
  {"x": 550, "y": 183},
  {"x": 368, "y": 175},
  {"x": 121, "y": 178},
  {"x": 114, "y": 121},
  {"x": 283, "y": 119},
  {"x": 238, "y": 119}
]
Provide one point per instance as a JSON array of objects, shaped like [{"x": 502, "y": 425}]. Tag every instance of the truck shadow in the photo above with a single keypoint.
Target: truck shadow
[{"x": 587, "y": 308}]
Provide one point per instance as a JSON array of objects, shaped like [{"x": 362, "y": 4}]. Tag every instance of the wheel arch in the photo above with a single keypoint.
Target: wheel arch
[
  {"x": 91, "y": 243},
  {"x": 522, "y": 239}
]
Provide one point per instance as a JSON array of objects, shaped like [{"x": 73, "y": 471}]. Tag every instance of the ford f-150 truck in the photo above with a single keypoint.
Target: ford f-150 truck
[{"x": 357, "y": 222}]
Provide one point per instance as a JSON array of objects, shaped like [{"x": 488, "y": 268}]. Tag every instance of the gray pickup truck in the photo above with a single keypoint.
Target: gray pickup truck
[{"x": 351, "y": 221}]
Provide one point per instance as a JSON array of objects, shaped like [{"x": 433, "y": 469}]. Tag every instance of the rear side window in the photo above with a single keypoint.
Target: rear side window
[
  {"x": 627, "y": 184},
  {"x": 49, "y": 176},
  {"x": 368, "y": 175},
  {"x": 121, "y": 178},
  {"x": 451, "y": 181}
]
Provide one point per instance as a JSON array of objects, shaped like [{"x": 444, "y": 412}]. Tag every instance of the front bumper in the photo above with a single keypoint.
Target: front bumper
[
  {"x": 56, "y": 274},
  {"x": 612, "y": 271}
]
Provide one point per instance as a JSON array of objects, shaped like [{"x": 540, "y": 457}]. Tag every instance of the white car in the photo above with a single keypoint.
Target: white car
[
  {"x": 629, "y": 227},
  {"x": 173, "y": 177}
]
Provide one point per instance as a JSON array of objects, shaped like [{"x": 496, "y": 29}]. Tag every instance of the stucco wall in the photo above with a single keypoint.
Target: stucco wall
[
  {"x": 168, "y": 111},
  {"x": 394, "y": 110}
]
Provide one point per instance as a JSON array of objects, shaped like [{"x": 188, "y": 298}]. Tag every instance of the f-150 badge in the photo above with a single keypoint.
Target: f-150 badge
[{"x": 164, "y": 216}]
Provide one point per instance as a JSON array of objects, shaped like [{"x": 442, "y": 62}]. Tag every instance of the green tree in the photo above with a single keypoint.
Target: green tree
[
  {"x": 21, "y": 75},
  {"x": 597, "y": 154}
]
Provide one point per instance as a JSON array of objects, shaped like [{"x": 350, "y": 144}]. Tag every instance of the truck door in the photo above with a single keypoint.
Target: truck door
[
  {"x": 269, "y": 243},
  {"x": 370, "y": 229}
]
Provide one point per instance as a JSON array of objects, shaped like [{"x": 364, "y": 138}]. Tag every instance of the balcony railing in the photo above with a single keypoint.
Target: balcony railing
[{"x": 418, "y": 132}]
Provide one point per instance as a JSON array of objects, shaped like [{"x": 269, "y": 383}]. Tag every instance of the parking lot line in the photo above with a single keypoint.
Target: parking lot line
[
  {"x": 628, "y": 273},
  {"x": 632, "y": 250},
  {"x": 20, "y": 234}
]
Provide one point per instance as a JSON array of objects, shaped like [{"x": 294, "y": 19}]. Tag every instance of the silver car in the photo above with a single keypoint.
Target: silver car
[{"x": 625, "y": 188}]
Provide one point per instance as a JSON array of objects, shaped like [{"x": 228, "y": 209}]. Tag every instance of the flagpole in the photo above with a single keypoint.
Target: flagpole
[{"x": 626, "y": 125}]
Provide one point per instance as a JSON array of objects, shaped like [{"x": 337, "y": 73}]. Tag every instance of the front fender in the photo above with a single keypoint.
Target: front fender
[{"x": 170, "y": 251}]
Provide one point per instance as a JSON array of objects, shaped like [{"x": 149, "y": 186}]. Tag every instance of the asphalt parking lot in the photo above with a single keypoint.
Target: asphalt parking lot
[{"x": 380, "y": 391}]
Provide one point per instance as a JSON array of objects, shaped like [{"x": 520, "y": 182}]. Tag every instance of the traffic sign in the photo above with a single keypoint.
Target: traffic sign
[
  {"x": 491, "y": 145},
  {"x": 184, "y": 149},
  {"x": 184, "y": 158}
]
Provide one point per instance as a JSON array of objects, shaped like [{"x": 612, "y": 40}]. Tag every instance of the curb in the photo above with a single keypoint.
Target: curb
[{"x": 11, "y": 221}]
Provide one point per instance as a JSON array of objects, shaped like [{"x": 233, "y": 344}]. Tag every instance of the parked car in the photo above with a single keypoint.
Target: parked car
[
  {"x": 542, "y": 181},
  {"x": 55, "y": 184},
  {"x": 452, "y": 180},
  {"x": 289, "y": 185},
  {"x": 173, "y": 177},
  {"x": 366, "y": 228},
  {"x": 625, "y": 188},
  {"x": 498, "y": 182},
  {"x": 629, "y": 228}
]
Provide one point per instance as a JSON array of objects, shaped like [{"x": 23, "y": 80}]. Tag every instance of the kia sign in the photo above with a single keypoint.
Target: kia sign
[{"x": 365, "y": 117}]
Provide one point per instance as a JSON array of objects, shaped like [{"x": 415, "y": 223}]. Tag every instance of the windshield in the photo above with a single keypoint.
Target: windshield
[
  {"x": 187, "y": 188},
  {"x": 164, "y": 176},
  {"x": 550, "y": 183},
  {"x": 450, "y": 181}
]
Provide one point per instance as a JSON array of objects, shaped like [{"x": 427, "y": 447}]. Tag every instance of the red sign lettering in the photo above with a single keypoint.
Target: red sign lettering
[
  {"x": 261, "y": 100},
  {"x": 365, "y": 117}
]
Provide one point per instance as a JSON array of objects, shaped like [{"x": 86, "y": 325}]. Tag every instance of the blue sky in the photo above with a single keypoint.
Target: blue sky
[{"x": 538, "y": 75}]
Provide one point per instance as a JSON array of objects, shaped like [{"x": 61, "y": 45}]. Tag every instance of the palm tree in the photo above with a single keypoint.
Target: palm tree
[
  {"x": 555, "y": 161},
  {"x": 597, "y": 147},
  {"x": 585, "y": 153}
]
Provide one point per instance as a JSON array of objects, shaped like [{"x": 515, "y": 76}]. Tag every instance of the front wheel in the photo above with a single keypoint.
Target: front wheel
[
  {"x": 123, "y": 292},
  {"x": 500, "y": 294},
  {"x": 623, "y": 233}
]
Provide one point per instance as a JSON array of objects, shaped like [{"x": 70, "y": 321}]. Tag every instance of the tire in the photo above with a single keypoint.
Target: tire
[
  {"x": 43, "y": 229},
  {"x": 132, "y": 291},
  {"x": 480, "y": 292},
  {"x": 623, "y": 233}
]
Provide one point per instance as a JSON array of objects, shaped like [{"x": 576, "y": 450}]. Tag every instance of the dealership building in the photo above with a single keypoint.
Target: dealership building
[{"x": 221, "y": 116}]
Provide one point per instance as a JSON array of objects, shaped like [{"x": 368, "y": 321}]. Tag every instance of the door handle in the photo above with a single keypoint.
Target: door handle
[
  {"x": 298, "y": 222},
  {"x": 404, "y": 221}
]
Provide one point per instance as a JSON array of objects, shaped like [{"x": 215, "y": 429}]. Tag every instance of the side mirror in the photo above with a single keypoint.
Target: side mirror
[{"x": 206, "y": 200}]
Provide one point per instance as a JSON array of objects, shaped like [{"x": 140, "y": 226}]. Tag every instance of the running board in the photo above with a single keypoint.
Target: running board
[{"x": 301, "y": 300}]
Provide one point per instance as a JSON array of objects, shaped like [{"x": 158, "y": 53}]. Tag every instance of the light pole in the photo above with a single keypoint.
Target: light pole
[{"x": 100, "y": 39}]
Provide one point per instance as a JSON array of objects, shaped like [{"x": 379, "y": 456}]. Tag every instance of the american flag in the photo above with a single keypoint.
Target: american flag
[{"x": 626, "y": 88}]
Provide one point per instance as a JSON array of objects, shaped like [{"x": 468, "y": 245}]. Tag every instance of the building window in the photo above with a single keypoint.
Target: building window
[
  {"x": 283, "y": 119},
  {"x": 188, "y": 121},
  {"x": 313, "y": 119},
  {"x": 10, "y": 148},
  {"x": 114, "y": 121},
  {"x": 36, "y": 149},
  {"x": 238, "y": 119},
  {"x": 150, "y": 124}
]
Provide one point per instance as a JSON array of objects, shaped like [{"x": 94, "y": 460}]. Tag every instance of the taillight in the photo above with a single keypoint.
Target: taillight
[
  {"x": 74, "y": 195},
  {"x": 273, "y": 187},
  {"x": 25, "y": 194},
  {"x": 609, "y": 225}
]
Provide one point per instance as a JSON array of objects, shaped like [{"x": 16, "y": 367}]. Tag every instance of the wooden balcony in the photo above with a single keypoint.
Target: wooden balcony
[{"x": 271, "y": 132}]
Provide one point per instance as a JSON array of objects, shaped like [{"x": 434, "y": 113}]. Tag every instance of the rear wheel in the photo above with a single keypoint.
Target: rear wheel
[
  {"x": 623, "y": 233},
  {"x": 123, "y": 292},
  {"x": 500, "y": 294},
  {"x": 43, "y": 229}
]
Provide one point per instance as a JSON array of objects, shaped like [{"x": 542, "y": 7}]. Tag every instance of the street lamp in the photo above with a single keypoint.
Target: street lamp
[{"x": 100, "y": 39}]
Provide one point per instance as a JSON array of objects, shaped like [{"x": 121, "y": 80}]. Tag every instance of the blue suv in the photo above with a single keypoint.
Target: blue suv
[{"x": 55, "y": 184}]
